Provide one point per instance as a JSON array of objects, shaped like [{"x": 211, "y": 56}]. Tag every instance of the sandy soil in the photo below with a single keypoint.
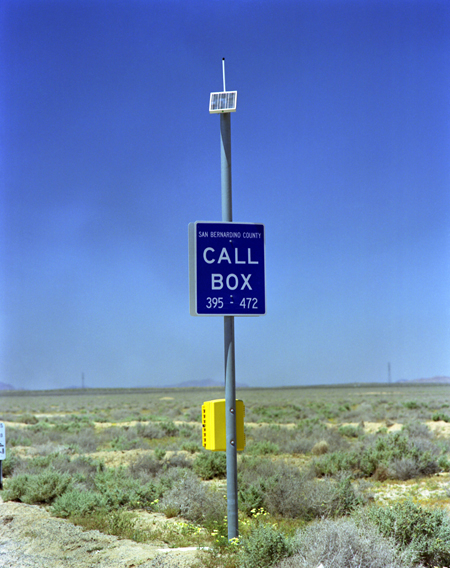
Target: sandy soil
[{"x": 31, "y": 538}]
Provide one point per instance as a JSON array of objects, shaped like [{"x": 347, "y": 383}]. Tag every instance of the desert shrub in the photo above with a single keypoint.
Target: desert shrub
[
  {"x": 41, "y": 427},
  {"x": 82, "y": 469},
  {"x": 27, "y": 419},
  {"x": 320, "y": 448},
  {"x": 264, "y": 546},
  {"x": 254, "y": 475},
  {"x": 425, "y": 531},
  {"x": 251, "y": 498},
  {"x": 443, "y": 463},
  {"x": 262, "y": 482},
  {"x": 403, "y": 468},
  {"x": 292, "y": 440},
  {"x": 168, "y": 478},
  {"x": 306, "y": 434},
  {"x": 73, "y": 423},
  {"x": 126, "y": 440},
  {"x": 363, "y": 411},
  {"x": 417, "y": 430},
  {"x": 18, "y": 437},
  {"x": 272, "y": 433},
  {"x": 275, "y": 413},
  {"x": 113, "y": 489},
  {"x": 283, "y": 489},
  {"x": 263, "y": 448},
  {"x": 160, "y": 454},
  {"x": 193, "y": 500},
  {"x": 121, "y": 490},
  {"x": 299, "y": 445},
  {"x": 412, "y": 405},
  {"x": 43, "y": 487},
  {"x": 123, "y": 524},
  {"x": 335, "y": 462},
  {"x": 193, "y": 415},
  {"x": 343, "y": 544},
  {"x": 309, "y": 499},
  {"x": 85, "y": 441},
  {"x": 78, "y": 503},
  {"x": 145, "y": 466},
  {"x": 149, "y": 466},
  {"x": 208, "y": 465},
  {"x": 179, "y": 461},
  {"x": 106, "y": 435},
  {"x": 36, "y": 465},
  {"x": 169, "y": 428},
  {"x": 270, "y": 439},
  {"x": 351, "y": 431},
  {"x": 328, "y": 411},
  {"x": 191, "y": 447},
  {"x": 157, "y": 429},
  {"x": 10, "y": 463},
  {"x": 314, "y": 432},
  {"x": 190, "y": 432},
  {"x": 120, "y": 414},
  {"x": 394, "y": 447},
  {"x": 338, "y": 499},
  {"x": 394, "y": 454},
  {"x": 440, "y": 416}
]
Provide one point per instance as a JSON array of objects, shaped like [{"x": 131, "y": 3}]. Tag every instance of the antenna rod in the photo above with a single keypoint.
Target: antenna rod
[{"x": 223, "y": 72}]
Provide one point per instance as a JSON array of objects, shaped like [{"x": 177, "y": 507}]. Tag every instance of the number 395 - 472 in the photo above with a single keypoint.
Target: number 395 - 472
[{"x": 246, "y": 303}]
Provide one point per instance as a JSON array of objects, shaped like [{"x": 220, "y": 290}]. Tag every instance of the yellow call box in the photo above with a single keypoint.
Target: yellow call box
[{"x": 214, "y": 425}]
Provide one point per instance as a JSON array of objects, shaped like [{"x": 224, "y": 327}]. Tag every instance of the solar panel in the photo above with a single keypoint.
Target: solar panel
[{"x": 223, "y": 102}]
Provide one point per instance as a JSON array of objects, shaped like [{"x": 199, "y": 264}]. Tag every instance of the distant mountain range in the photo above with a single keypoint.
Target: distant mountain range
[
  {"x": 214, "y": 383},
  {"x": 184, "y": 384},
  {"x": 205, "y": 383},
  {"x": 434, "y": 380}
]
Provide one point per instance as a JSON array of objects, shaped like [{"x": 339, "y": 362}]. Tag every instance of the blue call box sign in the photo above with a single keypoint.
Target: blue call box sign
[{"x": 227, "y": 269}]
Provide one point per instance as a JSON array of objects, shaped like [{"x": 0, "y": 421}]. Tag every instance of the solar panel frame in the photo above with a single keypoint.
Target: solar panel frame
[{"x": 221, "y": 102}]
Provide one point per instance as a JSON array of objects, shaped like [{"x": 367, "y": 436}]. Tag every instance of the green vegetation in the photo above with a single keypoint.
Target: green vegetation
[
  {"x": 424, "y": 532},
  {"x": 285, "y": 490},
  {"x": 193, "y": 500},
  {"x": 344, "y": 543},
  {"x": 394, "y": 456},
  {"x": 440, "y": 416},
  {"x": 264, "y": 547},
  {"x": 38, "y": 488},
  {"x": 209, "y": 465},
  {"x": 105, "y": 459}
]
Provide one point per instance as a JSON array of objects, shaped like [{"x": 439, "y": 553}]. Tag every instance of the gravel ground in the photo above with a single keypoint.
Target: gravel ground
[{"x": 31, "y": 538}]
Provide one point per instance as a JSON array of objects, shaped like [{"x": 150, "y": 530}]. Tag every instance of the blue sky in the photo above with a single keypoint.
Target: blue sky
[{"x": 340, "y": 146}]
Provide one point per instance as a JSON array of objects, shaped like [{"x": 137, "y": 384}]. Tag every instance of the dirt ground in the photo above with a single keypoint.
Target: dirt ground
[{"x": 31, "y": 538}]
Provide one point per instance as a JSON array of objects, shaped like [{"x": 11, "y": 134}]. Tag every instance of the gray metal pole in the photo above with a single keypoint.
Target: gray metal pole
[
  {"x": 230, "y": 369},
  {"x": 225, "y": 162}
]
